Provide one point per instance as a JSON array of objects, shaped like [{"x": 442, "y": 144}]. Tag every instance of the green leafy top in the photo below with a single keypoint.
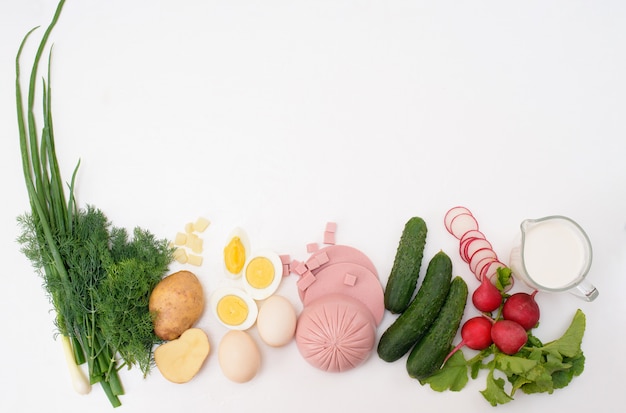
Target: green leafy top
[
  {"x": 504, "y": 278},
  {"x": 537, "y": 368}
]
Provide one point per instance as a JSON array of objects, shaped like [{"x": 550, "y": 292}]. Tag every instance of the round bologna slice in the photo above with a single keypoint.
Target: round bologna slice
[
  {"x": 335, "y": 333},
  {"x": 352, "y": 280},
  {"x": 336, "y": 254},
  {"x": 453, "y": 213}
]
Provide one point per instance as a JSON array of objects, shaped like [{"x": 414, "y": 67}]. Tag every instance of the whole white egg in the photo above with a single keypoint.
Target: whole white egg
[
  {"x": 239, "y": 356},
  {"x": 276, "y": 321}
]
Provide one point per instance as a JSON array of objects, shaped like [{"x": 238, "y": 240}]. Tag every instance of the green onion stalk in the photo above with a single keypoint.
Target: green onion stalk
[
  {"x": 97, "y": 279},
  {"x": 53, "y": 218}
]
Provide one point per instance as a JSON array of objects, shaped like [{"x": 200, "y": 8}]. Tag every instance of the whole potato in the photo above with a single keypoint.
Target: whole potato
[{"x": 177, "y": 303}]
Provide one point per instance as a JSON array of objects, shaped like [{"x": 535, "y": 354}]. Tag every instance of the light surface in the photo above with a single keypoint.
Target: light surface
[{"x": 279, "y": 116}]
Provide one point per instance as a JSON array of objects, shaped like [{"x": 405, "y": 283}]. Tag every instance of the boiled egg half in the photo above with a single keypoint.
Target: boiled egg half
[
  {"x": 262, "y": 274},
  {"x": 234, "y": 308},
  {"x": 236, "y": 253}
]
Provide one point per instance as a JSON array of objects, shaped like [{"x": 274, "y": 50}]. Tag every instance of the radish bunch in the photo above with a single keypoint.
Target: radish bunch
[{"x": 518, "y": 312}]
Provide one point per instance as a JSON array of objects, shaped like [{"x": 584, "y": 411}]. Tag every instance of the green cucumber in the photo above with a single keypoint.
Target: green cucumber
[
  {"x": 413, "y": 323},
  {"x": 429, "y": 353},
  {"x": 402, "y": 280}
]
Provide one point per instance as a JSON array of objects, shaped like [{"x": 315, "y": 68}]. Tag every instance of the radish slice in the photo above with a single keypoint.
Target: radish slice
[
  {"x": 465, "y": 244},
  {"x": 461, "y": 224},
  {"x": 473, "y": 246},
  {"x": 482, "y": 264},
  {"x": 491, "y": 269},
  {"x": 473, "y": 234},
  {"x": 452, "y": 213},
  {"x": 463, "y": 247},
  {"x": 481, "y": 255}
]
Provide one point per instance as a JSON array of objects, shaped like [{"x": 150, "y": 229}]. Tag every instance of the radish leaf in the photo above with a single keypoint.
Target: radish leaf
[{"x": 453, "y": 376}]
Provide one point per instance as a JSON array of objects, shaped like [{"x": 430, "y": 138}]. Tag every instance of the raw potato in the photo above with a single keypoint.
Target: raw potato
[
  {"x": 180, "y": 360},
  {"x": 177, "y": 302}
]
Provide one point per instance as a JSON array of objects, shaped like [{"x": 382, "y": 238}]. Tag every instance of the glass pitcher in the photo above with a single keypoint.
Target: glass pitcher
[{"x": 554, "y": 254}]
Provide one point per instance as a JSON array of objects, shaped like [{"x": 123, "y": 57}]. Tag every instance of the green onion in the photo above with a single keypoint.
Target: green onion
[
  {"x": 51, "y": 219},
  {"x": 98, "y": 279}
]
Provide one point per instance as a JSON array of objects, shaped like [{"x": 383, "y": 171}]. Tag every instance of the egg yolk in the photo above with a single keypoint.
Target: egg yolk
[
  {"x": 235, "y": 256},
  {"x": 260, "y": 272},
  {"x": 232, "y": 310}
]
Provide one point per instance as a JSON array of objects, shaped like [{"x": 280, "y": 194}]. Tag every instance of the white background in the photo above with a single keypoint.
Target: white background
[{"x": 280, "y": 116}]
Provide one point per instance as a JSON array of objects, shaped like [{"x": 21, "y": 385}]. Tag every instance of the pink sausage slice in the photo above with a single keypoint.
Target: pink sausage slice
[
  {"x": 352, "y": 280},
  {"x": 334, "y": 254}
]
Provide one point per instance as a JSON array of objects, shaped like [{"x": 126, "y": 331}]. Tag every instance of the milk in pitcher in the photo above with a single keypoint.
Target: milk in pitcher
[{"x": 555, "y": 255}]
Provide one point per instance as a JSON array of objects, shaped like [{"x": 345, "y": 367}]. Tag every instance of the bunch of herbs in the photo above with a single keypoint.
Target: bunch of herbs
[{"x": 97, "y": 276}]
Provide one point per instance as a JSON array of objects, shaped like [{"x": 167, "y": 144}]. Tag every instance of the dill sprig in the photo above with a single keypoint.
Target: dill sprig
[
  {"x": 97, "y": 277},
  {"x": 134, "y": 268}
]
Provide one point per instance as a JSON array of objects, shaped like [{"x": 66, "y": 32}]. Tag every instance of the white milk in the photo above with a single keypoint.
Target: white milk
[{"x": 554, "y": 253}]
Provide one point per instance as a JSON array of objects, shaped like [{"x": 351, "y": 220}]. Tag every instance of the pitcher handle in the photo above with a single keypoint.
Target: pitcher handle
[{"x": 586, "y": 291}]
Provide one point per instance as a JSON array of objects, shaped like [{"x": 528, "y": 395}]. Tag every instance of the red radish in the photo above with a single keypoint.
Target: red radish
[
  {"x": 508, "y": 336},
  {"x": 523, "y": 309},
  {"x": 475, "y": 334},
  {"x": 486, "y": 297},
  {"x": 452, "y": 213},
  {"x": 463, "y": 223}
]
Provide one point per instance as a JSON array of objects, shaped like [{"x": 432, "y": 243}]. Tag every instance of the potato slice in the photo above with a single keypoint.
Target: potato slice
[
  {"x": 180, "y": 255},
  {"x": 194, "y": 242},
  {"x": 201, "y": 224},
  {"x": 194, "y": 259},
  {"x": 180, "y": 360},
  {"x": 181, "y": 239}
]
